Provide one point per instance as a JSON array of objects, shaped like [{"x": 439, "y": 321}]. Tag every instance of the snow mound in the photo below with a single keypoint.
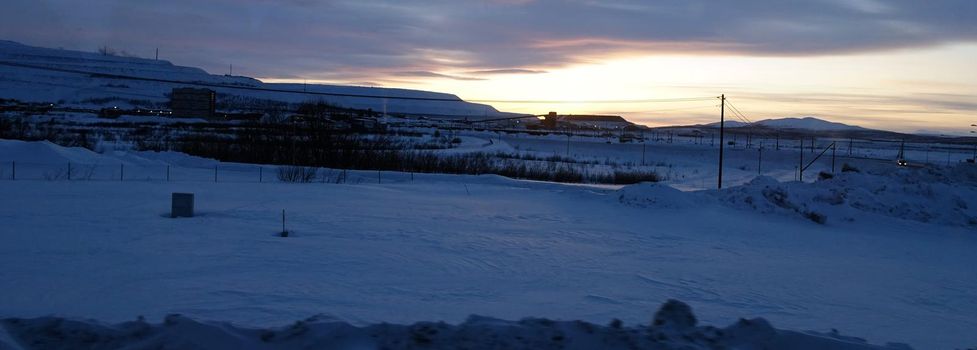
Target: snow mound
[
  {"x": 673, "y": 328},
  {"x": 944, "y": 196},
  {"x": 47, "y": 152},
  {"x": 656, "y": 195},
  {"x": 165, "y": 158}
]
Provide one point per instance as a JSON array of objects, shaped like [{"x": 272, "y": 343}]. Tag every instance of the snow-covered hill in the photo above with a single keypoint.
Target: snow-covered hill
[
  {"x": 807, "y": 123},
  {"x": 802, "y": 123},
  {"x": 73, "y": 89}
]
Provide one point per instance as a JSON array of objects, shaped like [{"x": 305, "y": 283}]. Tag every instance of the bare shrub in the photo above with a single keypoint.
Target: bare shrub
[
  {"x": 57, "y": 174},
  {"x": 627, "y": 177},
  {"x": 290, "y": 173}
]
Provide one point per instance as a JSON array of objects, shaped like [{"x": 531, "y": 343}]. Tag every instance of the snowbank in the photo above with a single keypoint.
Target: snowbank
[
  {"x": 656, "y": 195},
  {"x": 673, "y": 327},
  {"x": 943, "y": 196},
  {"x": 47, "y": 152}
]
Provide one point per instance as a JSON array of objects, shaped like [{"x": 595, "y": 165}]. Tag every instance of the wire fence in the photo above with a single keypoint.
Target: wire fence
[
  {"x": 916, "y": 152},
  {"x": 220, "y": 173}
]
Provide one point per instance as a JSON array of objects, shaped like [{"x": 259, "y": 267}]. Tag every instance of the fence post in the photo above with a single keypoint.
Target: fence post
[
  {"x": 122, "y": 172},
  {"x": 378, "y": 175},
  {"x": 167, "y": 173},
  {"x": 260, "y": 175},
  {"x": 69, "y": 171},
  {"x": 833, "y": 144},
  {"x": 13, "y": 168},
  {"x": 643, "y": 148}
]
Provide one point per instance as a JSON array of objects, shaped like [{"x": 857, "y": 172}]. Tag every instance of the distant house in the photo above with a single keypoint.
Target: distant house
[{"x": 193, "y": 103}]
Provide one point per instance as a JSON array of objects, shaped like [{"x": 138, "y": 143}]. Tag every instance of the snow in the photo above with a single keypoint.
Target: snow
[
  {"x": 808, "y": 123},
  {"x": 70, "y": 89},
  {"x": 892, "y": 262},
  {"x": 805, "y": 123},
  {"x": 23, "y": 151},
  {"x": 674, "y": 327},
  {"x": 943, "y": 198}
]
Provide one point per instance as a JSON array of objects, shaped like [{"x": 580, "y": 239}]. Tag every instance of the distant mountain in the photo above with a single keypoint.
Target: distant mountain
[
  {"x": 57, "y": 84},
  {"x": 805, "y": 123}
]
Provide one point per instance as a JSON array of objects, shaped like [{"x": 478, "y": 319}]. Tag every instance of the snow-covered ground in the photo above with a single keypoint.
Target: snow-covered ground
[
  {"x": 673, "y": 327},
  {"x": 893, "y": 261}
]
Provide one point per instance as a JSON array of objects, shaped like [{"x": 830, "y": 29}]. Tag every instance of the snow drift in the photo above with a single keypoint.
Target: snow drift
[
  {"x": 673, "y": 327},
  {"x": 939, "y": 195}
]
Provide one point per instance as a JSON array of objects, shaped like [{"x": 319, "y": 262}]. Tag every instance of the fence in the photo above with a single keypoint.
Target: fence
[
  {"x": 221, "y": 173},
  {"x": 18, "y": 170}
]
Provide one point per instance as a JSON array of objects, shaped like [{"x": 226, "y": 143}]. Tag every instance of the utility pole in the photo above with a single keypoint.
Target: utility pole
[
  {"x": 643, "y": 148},
  {"x": 759, "y": 159},
  {"x": 722, "y": 121},
  {"x": 800, "y": 166}
]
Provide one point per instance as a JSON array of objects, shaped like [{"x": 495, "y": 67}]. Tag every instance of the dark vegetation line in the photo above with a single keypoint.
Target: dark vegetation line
[{"x": 316, "y": 143}]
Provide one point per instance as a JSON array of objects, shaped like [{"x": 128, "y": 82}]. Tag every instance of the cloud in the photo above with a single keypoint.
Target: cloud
[
  {"x": 426, "y": 74},
  {"x": 365, "y": 39},
  {"x": 507, "y": 71}
]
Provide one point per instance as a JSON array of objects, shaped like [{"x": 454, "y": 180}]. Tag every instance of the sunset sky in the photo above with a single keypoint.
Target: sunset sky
[{"x": 897, "y": 65}]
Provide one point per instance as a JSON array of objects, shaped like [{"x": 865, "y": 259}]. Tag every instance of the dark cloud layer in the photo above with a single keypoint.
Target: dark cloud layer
[{"x": 366, "y": 39}]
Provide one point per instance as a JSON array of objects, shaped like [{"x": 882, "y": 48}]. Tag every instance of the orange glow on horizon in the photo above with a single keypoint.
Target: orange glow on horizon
[{"x": 907, "y": 90}]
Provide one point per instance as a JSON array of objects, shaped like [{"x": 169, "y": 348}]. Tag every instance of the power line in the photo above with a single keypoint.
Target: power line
[{"x": 739, "y": 114}]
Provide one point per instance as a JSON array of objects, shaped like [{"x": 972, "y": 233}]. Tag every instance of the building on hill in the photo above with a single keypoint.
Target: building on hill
[
  {"x": 193, "y": 103},
  {"x": 586, "y": 121}
]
